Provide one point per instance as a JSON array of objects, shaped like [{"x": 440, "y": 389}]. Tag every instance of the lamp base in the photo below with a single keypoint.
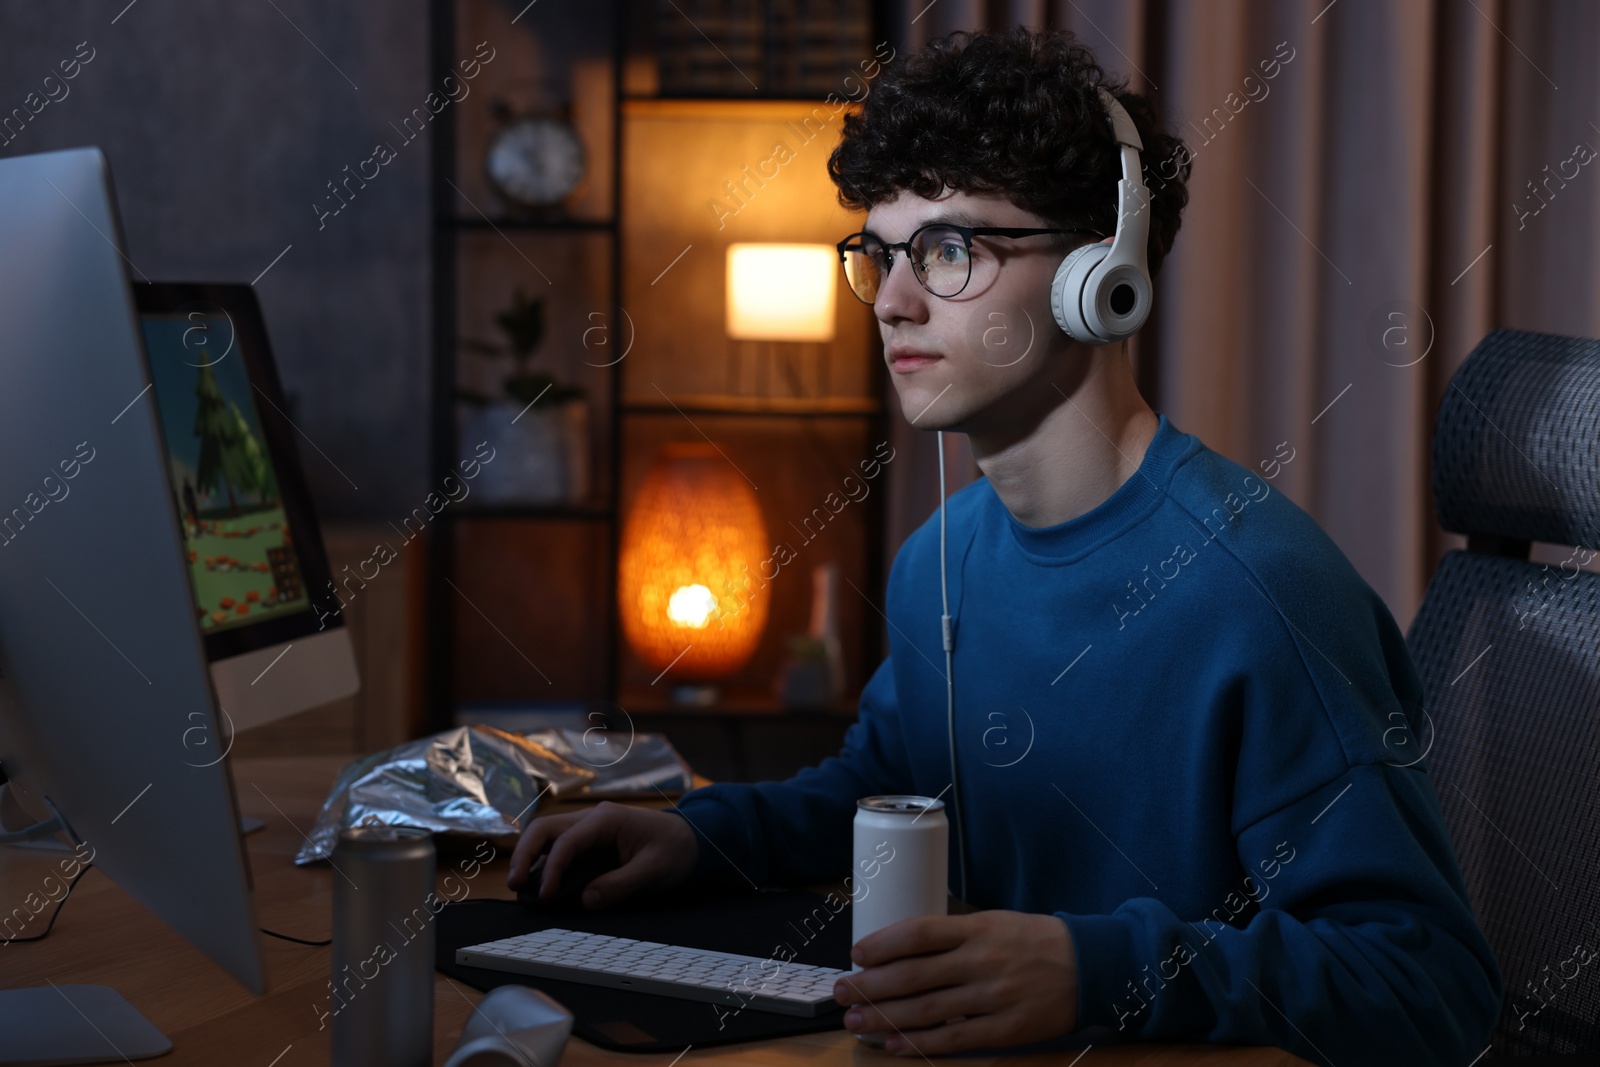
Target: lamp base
[{"x": 696, "y": 696}]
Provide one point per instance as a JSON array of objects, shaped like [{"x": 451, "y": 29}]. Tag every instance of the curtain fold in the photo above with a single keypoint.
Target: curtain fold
[{"x": 1356, "y": 223}]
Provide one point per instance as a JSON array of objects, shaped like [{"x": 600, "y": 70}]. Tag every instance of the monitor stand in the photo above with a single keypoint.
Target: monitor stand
[
  {"x": 13, "y": 818},
  {"x": 59, "y": 1024}
]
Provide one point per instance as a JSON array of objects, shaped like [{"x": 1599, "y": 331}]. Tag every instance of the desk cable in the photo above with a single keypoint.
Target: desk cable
[{"x": 86, "y": 868}]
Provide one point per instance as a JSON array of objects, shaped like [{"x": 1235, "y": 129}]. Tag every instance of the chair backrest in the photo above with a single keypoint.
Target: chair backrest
[{"x": 1509, "y": 655}]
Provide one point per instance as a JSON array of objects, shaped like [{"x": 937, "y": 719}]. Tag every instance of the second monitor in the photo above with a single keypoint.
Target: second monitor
[{"x": 256, "y": 560}]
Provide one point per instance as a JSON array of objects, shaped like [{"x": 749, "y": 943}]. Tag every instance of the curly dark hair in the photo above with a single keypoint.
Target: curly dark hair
[{"x": 1015, "y": 113}]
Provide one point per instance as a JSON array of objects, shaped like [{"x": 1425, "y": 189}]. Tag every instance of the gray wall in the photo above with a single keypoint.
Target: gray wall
[{"x": 223, "y": 123}]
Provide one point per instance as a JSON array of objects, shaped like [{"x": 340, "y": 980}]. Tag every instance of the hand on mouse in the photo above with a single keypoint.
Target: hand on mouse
[{"x": 657, "y": 850}]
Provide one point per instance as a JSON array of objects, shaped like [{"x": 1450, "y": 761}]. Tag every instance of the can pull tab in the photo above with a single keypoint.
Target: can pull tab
[{"x": 949, "y": 633}]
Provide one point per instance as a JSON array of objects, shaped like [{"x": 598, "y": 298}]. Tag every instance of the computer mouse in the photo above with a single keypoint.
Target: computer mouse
[{"x": 584, "y": 868}]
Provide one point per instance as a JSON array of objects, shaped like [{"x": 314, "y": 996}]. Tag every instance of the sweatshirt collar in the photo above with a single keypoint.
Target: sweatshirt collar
[{"x": 1133, "y": 500}]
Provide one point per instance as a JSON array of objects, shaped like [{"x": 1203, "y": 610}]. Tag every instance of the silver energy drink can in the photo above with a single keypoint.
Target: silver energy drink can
[
  {"x": 902, "y": 866},
  {"x": 380, "y": 995}
]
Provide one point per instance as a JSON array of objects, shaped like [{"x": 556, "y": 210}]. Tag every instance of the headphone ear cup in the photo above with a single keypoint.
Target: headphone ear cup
[
  {"x": 1118, "y": 303},
  {"x": 1067, "y": 291}
]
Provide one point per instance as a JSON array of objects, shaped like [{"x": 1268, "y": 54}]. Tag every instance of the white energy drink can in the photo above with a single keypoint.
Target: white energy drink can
[
  {"x": 380, "y": 996},
  {"x": 902, "y": 862},
  {"x": 902, "y": 866}
]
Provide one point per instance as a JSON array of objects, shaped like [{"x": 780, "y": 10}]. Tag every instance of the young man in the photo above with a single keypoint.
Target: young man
[{"x": 1202, "y": 816}]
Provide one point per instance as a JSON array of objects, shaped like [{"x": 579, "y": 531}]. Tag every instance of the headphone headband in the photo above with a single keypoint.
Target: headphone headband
[
  {"x": 1122, "y": 128},
  {"x": 1131, "y": 244}
]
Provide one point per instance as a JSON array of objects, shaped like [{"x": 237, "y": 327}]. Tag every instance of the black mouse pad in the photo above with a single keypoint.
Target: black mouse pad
[{"x": 769, "y": 924}]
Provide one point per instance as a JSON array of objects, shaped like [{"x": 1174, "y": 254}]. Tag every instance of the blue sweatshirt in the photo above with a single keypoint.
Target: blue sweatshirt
[{"x": 1186, "y": 726}]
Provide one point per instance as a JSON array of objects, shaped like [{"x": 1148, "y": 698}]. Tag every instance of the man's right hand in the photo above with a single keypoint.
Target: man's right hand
[{"x": 658, "y": 850}]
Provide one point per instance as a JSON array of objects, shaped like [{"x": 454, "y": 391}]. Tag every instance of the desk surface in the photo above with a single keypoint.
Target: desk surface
[{"x": 104, "y": 937}]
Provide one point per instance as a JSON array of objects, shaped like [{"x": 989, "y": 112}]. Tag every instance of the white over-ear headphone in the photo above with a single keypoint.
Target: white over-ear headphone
[{"x": 1102, "y": 293}]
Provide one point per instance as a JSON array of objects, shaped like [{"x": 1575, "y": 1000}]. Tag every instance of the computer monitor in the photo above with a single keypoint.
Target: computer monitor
[
  {"x": 106, "y": 687},
  {"x": 272, "y": 632}
]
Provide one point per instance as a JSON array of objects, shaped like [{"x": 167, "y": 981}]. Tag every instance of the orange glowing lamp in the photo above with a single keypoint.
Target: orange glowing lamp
[{"x": 687, "y": 585}]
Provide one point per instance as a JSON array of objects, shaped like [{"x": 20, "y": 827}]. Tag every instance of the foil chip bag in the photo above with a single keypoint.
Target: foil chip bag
[{"x": 479, "y": 781}]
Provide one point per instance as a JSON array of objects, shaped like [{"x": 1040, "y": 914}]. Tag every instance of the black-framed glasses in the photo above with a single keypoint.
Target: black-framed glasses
[{"x": 940, "y": 255}]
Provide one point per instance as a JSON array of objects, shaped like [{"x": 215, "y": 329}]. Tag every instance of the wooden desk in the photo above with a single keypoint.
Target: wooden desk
[{"x": 104, "y": 937}]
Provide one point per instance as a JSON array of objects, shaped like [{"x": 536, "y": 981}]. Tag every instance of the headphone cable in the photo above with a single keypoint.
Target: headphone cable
[{"x": 949, "y": 678}]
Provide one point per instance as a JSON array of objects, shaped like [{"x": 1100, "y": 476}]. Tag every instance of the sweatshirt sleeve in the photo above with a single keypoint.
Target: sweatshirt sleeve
[
  {"x": 1348, "y": 941},
  {"x": 800, "y": 830}
]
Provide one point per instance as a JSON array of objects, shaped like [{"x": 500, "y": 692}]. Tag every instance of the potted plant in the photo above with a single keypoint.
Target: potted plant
[{"x": 537, "y": 426}]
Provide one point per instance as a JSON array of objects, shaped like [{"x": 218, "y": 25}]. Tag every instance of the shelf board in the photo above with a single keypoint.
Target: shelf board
[
  {"x": 589, "y": 512},
  {"x": 740, "y": 703},
  {"x": 712, "y": 404},
  {"x": 478, "y": 222},
  {"x": 668, "y": 100}
]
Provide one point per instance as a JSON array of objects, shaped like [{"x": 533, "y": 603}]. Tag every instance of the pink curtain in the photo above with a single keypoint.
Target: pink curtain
[{"x": 1413, "y": 176}]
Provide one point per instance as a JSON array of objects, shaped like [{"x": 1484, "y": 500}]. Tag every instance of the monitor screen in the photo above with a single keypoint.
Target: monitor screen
[
  {"x": 237, "y": 538},
  {"x": 238, "y": 490},
  {"x": 103, "y": 669},
  {"x": 237, "y": 494}
]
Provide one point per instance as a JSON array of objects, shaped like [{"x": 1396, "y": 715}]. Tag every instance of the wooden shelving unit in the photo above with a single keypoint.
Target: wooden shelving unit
[{"x": 625, "y": 425}]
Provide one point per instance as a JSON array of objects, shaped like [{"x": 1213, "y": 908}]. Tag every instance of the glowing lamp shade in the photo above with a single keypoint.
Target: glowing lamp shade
[
  {"x": 781, "y": 292},
  {"x": 686, "y": 577}
]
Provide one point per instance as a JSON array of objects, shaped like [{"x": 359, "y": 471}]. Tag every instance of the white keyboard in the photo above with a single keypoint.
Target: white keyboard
[{"x": 766, "y": 984}]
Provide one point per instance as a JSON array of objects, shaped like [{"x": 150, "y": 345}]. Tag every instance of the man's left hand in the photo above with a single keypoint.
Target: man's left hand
[{"x": 1007, "y": 977}]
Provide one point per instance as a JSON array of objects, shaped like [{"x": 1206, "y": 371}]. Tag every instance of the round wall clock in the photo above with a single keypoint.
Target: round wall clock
[{"x": 536, "y": 161}]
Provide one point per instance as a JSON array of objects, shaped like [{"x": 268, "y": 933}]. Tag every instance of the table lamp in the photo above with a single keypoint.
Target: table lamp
[
  {"x": 782, "y": 292},
  {"x": 688, "y": 585}
]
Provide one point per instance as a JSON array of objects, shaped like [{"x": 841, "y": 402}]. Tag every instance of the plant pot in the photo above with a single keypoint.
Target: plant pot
[{"x": 541, "y": 455}]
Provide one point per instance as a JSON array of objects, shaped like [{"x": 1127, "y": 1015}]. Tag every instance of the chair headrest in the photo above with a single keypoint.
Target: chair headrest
[{"x": 1516, "y": 451}]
